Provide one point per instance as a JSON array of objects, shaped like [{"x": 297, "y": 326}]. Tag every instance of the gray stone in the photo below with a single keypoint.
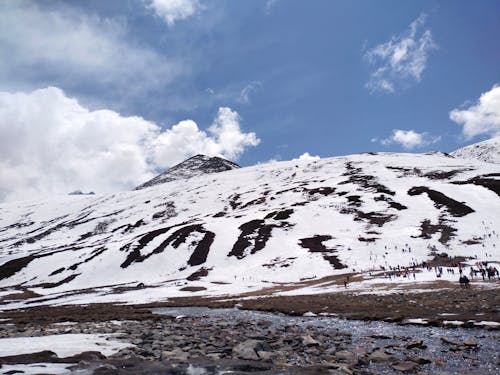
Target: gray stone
[
  {"x": 248, "y": 349},
  {"x": 309, "y": 341},
  {"x": 419, "y": 360},
  {"x": 344, "y": 355},
  {"x": 380, "y": 356},
  {"x": 405, "y": 366},
  {"x": 175, "y": 355},
  {"x": 265, "y": 356},
  {"x": 444, "y": 340},
  {"x": 415, "y": 344}
]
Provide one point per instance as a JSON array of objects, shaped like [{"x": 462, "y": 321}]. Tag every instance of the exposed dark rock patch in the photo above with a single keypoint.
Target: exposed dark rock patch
[
  {"x": 177, "y": 238},
  {"x": 202, "y": 272},
  {"x": 260, "y": 233},
  {"x": 366, "y": 182},
  {"x": 193, "y": 288},
  {"x": 444, "y": 175},
  {"x": 354, "y": 200},
  {"x": 293, "y": 189},
  {"x": 427, "y": 229},
  {"x": 95, "y": 253},
  {"x": 58, "y": 283},
  {"x": 440, "y": 200},
  {"x": 254, "y": 202},
  {"x": 13, "y": 266},
  {"x": 234, "y": 201},
  {"x": 59, "y": 270},
  {"x": 130, "y": 227},
  {"x": 374, "y": 218},
  {"x": 444, "y": 260},
  {"x": 167, "y": 212},
  {"x": 324, "y": 190},
  {"x": 280, "y": 215},
  {"x": 220, "y": 214},
  {"x": 390, "y": 202},
  {"x": 492, "y": 184},
  {"x": 406, "y": 172},
  {"x": 315, "y": 245},
  {"x": 472, "y": 242},
  {"x": 367, "y": 239},
  {"x": 150, "y": 236},
  {"x": 254, "y": 236},
  {"x": 279, "y": 262}
]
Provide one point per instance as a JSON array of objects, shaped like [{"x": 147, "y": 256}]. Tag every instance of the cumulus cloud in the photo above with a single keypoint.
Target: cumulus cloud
[
  {"x": 50, "y": 143},
  {"x": 408, "y": 139},
  {"x": 174, "y": 10},
  {"x": 402, "y": 59},
  {"x": 482, "y": 118},
  {"x": 244, "y": 97},
  {"x": 224, "y": 139},
  {"x": 44, "y": 45},
  {"x": 307, "y": 156}
]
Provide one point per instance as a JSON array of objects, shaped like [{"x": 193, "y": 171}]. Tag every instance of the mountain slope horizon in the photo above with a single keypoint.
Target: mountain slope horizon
[
  {"x": 253, "y": 228},
  {"x": 488, "y": 151}
]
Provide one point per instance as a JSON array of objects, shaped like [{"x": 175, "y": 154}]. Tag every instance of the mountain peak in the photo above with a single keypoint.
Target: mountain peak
[
  {"x": 488, "y": 151},
  {"x": 194, "y": 166}
]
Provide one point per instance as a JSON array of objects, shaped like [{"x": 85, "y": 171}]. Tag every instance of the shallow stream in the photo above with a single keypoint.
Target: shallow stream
[{"x": 393, "y": 338}]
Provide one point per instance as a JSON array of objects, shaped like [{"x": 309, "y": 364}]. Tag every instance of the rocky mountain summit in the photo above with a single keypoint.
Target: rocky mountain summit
[{"x": 195, "y": 166}]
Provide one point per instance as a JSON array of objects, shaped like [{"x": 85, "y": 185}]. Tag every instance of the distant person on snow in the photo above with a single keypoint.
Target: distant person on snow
[{"x": 464, "y": 282}]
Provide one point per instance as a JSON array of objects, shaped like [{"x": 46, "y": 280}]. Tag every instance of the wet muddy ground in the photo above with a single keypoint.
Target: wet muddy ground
[{"x": 218, "y": 341}]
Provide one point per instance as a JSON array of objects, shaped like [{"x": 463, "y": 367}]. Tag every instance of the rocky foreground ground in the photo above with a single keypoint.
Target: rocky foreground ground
[{"x": 244, "y": 342}]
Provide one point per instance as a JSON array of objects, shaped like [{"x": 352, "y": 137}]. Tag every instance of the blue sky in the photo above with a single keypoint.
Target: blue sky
[{"x": 271, "y": 79}]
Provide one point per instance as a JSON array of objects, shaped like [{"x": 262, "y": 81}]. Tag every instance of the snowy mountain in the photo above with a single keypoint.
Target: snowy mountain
[
  {"x": 488, "y": 151},
  {"x": 250, "y": 228},
  {"x": 192, "y": 167}
]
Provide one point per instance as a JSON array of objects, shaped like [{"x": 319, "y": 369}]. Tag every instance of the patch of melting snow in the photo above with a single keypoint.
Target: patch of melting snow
[
  {"x": 192, "y": 370},
  {"x": 309, "y": 313},
  {"x": 487, "y": 323},
  {"x": 453, "y": 322},
  {"x": 416, "y": 321},
  {"x": 64, "y": 345},
  {"x": 37, "y": 368},
  {"x": 68, "y": 323}
]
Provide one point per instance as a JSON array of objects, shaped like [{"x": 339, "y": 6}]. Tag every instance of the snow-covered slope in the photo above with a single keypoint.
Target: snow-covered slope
[
  {"x": 488, "y": 151},
  {"x": 251, "y": 228},
  {"x": 195, "y": 166}
]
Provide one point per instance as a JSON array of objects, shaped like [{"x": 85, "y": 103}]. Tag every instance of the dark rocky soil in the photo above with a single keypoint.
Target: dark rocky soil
[{"x": 467, "y": 304}]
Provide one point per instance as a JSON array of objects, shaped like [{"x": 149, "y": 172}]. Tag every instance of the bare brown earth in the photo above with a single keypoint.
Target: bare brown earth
[
  {"x": 467, "y": 304},
  {"x": 474, "y": 304}
]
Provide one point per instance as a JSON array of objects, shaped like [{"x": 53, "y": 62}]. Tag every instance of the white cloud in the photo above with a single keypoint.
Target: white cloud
[
  {"x": 185, "y": 139},
  {"x": 174, "y": 10},
  {"x": 481, "y": 118},
  {"x": 244, "y": 97},
  {"x": 49, "y": 143},
  {"x": 307, "y": 156},
  {"x": 74, "y": 50},
  {"x": 400, "y": 60},
  {"x": 408, "y": 139}
]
